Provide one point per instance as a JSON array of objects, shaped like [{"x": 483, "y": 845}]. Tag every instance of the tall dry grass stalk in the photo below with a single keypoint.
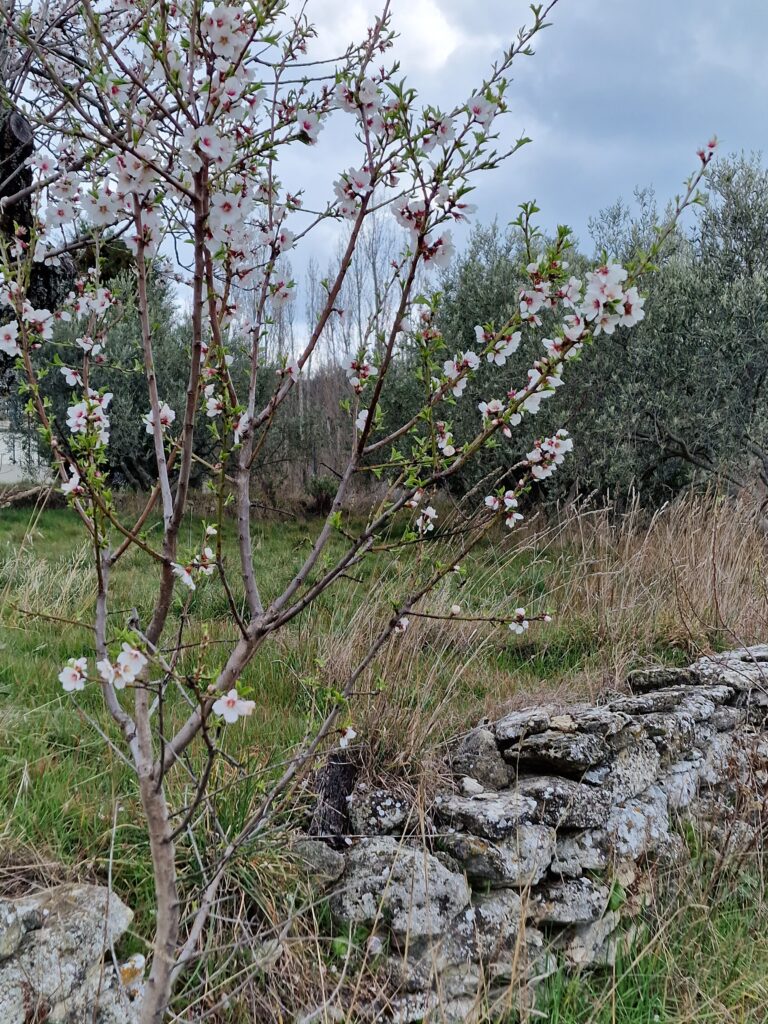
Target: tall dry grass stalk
[{"x": 691, "y": 575}]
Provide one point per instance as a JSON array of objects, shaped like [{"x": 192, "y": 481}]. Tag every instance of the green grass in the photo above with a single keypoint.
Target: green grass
[{"x": 699, "y": 959}]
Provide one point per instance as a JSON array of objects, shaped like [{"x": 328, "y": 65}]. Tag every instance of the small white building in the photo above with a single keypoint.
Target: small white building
[{"x": 20, "y": 460}]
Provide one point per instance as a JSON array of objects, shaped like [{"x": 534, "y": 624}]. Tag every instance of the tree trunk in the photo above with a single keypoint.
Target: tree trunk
[{"x": 157, "y": 993}]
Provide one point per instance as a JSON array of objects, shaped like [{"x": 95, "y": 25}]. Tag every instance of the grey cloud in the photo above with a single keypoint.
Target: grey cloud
[{"x": 620, "y": 93}]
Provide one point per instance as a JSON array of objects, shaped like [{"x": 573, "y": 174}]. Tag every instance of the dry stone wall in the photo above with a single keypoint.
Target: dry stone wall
[
  {"x": 548, "y": 840},
  {"x": 544, "y": 846}
]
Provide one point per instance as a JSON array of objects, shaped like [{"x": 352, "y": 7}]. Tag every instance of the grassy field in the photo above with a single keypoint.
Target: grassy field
[{"x": 623, "y": 593}]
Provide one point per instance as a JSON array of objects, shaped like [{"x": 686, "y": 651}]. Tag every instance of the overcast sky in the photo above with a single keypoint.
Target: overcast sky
[{"x": 619, "y": 93}]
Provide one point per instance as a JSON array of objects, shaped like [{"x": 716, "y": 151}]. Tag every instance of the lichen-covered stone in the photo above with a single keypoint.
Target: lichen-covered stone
[
  {"x": 375, "y": 812},
  {"x": 630, "y": 771},
  {"x": 726, "y": 719},
  {"x": 11, "y": 930},
  {"x": 408, "y": 889},
  {"x": 470, "y": 786},
  {"x": 492, "y": 815},
  {"x": 568, "y": 752},
  {"x": 521, "y": 859},
  {"x": 673, "y": 733},
  {"x": 564, "y": 803},
  {"x": 587, "y": 945},
  {"x": 741, "y": 668},
  {"x": 584, "y": 718},
  {"x": 633, "y": 830},
  {"x": 499, "y": 920},
  {"x": 640, "y": 825},
  {"x": 478, "y": 757},
  {"x": 318, "y": 859},
  {"x": 681, "y": 782},
  {"x": 57, "y": 967},
  {"x": 660, "y": 678},
  {"x": 520, "y": 723},
  {"x": 649, "y": 703},
  {"x": 575, "y": 901}
]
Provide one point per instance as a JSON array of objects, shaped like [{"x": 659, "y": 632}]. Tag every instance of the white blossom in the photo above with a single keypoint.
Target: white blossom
[
  {"x": 230, "y": 707},
  {"x": 73, "y": 675}
]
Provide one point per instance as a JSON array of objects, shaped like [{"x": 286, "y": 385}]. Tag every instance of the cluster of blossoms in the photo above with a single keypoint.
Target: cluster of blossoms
[
  {"x": 444, "y": 439},
  {"x": 519, "y": 623},
  {"x": 89, "y": 416},
  {"x": 456, "y": 371},
  {"x": 231, "y": 706},
  {"x": 226, "y": 30},
  {"x": 549, "y": 453},
  {"x": 412, "y": 215},
  {"x": 438, "y": 202},
  {"x": 605, "y": 303},
  {"x": 508, "y": 503},
  {"x": 126, "y": 669},
  {"x": 440, "y": 131},
  {"x": 204, "y": 562},
  {"x": 494, "y": 413},
  {"x": 74, "y": 674},
  {"x": 482, "y": 110},
  {"x": 501, "y": 348},
  {"x": 38, "y": 323},
  {"x": 350, "y": 190},
  {"x": 541, "y": 294},
  {"x": 364, "y": 100},
  {"x": 358, "y": 372},
  {"x": 436, "y": 247}
]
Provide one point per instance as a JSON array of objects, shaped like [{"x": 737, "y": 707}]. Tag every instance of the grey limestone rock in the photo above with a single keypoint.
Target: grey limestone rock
[
  {"x": 318, "y": 859},
  {"x": 375, "y": 811},
  {"x": 586, "y": 945},
  {"x": 568, "y": 752},
  {"x": 478, "y": 757},
  {"x": 574, "y": 901},
  {"x": 633, "y": 830},
  {"x": 408, "y": 889},
  {"x": 564, "y": 803},
  {"x": 632, "y": 769},
  {"x": 490, "y": 814},
  {"x": 521, "y": 723},
  {"x": 56, "y": 969},
  {"x": 521, "y": 859},
  {"x": 660, "y": 677}
]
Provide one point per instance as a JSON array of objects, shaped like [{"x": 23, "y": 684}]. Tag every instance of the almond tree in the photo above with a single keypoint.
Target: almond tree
[{"x": 165, "y": 125}]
